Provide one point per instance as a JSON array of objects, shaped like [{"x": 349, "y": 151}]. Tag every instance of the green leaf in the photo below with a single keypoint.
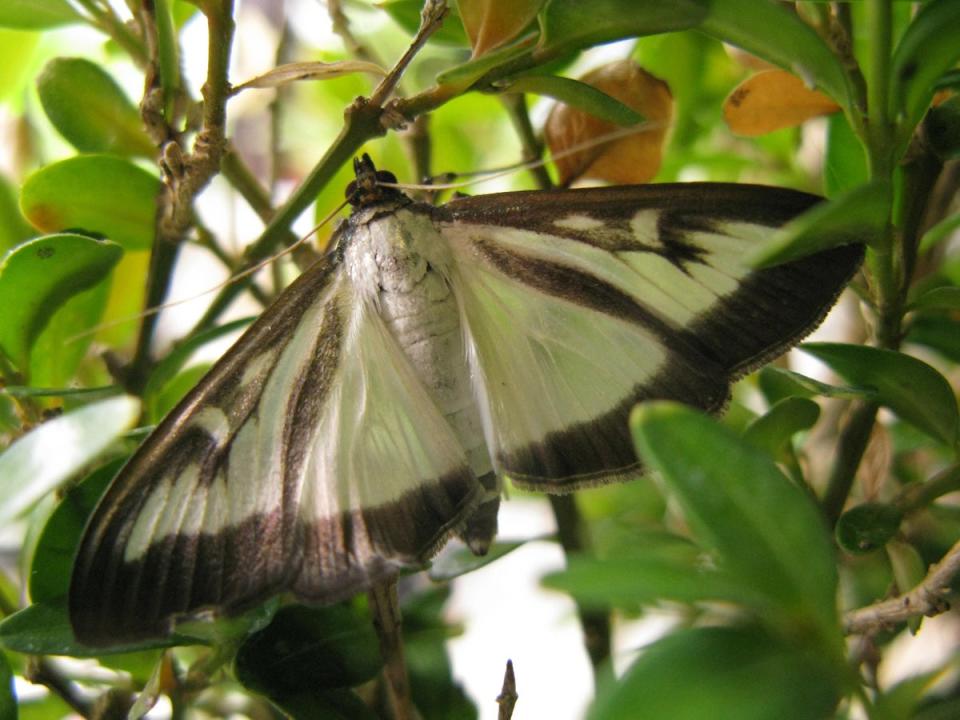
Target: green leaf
[
  {"x": 159, "y": 403},
  {"x": 48, "y": 455},
  {"x": 941, "y": 129},
  {"x": 173, "y": 363},
  {"x": 90, "y": 110},
  {"x": 855, "y": 216},
  {"x": 44, "y": 629},
  {"x": 767, "y": 30},
  {"x": 939, "y": 332},
  {"x": 570, "y": 25},
  {"x": 926, "y": 51},
  {"x": 772, "y": 431},
  {"x": 635, "y": 581},
  {"x": 337, "y": 704},
  {"x": 845, "y": 164},
  {"x": 460, "y": 561},
  {"x": 866, "y": 527},
  {"x": 101, "y": 194},
  {"x": 461, "y": 77},
  {"x": 307, "y": 648},
  {"x": 8, "y": 698},
  {"x": 733, "y": 673},
  {"x": 17, "y": 51},
  {"x": 941, "y": 298},
  {"x": 577, "y": 94},
  {"x": 746, "y": 511},
  {"x": 58, "y": 350},
  {"x": 406, "y": 13},
  {"x": 14, "y": 229},
  {"x": 53, "y": 558},
  {"x": 778, "y": 384},
  {"x": 39, "y": 276},
  {"x": 943, "y": 230},
  {"x": 37, "y": 14},
  {"x": 912, "y": 389}
]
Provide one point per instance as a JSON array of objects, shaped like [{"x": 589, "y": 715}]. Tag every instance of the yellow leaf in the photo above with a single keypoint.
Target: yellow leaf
[
  {"x": 771, "y": 100},
  {"x": 492, "y": 23},
  {"x": 632, "y": 159}
]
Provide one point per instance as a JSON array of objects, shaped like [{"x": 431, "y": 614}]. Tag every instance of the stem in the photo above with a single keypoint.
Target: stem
[
  {"x": 850, "y": 448},
  {"x": 387, "y": 620},
  {"x": 175, "y": 211},
  {"x": 926, "y": 599},
  {"x": 917, "y": 496},
  {"x": 516, "y": 104},
  {"x": 596, "y": 624}
]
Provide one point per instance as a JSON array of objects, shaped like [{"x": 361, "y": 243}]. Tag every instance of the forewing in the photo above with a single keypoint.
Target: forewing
[
  {"x": 579, "y": 304},
  {"x": 283, "y": 470}
]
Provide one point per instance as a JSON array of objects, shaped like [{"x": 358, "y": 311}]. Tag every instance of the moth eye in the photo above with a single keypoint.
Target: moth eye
[
  {"x": 351, "y": 190},
  {"x": 385, "y": 176}
]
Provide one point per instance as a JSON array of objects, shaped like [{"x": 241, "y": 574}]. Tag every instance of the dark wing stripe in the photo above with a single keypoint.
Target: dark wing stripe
[{"x": 113, "y": 600}]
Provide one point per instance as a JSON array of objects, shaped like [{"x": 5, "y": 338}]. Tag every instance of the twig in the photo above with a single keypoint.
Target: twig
[
  {"x": 41, "y": 671},
  {"x": 596, "y": 624},
  {"x": 387, "y": 621},
  {"x": 363, "y": 121},
  {"x": 186, "y": 180},
  {"x": 516, "y": 105},
  {"x": 508, "y": 694},
  {"x": 850, "y": 448},
  {"x": 929, "y": 598}
]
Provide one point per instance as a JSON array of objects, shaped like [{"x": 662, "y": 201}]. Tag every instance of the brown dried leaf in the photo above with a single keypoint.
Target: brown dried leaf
[
  {"x": 293, "y": 72},
  {"x": 632, "y": 159},
  {"x": 771, "y": 100},
  {"x": 492, "y": 23}
]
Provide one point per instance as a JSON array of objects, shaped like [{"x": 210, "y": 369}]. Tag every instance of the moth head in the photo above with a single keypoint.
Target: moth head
[{"x": 367, "y": 189}]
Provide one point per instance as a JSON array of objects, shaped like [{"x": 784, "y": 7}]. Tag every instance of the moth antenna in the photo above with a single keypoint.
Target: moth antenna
[
  {"x": 496, "y": 173},
  {"x": 230, "y": 280}
]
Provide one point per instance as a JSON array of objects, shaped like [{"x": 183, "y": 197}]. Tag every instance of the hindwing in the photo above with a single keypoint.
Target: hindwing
[{"x": 580, "y": 304}]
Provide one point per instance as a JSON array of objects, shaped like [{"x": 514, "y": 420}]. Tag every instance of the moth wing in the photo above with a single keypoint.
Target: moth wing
[
  {"x": 308, "y": 459},
  {"x": 580, "y": 304}
]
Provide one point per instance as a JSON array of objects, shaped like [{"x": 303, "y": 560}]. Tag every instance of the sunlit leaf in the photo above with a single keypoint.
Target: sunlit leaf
[
  {"x": 910, "y": 387},
  {"x": 100, "y": 194},
  {"x": 772, "y": 100},
  {"x": 48, "y": 455},
  {"x": 37, "y": 14},
  {"x": 39, "y": 276},
  {"x": 90, "y": 110},
  {"x": 14, "y": 228}
]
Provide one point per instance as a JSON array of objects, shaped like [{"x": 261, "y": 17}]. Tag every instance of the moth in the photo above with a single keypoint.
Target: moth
[{"x": 374, "y": 409}]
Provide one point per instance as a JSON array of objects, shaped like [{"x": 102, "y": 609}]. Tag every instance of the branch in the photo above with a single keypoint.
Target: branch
[
  {"x": 929, "y": 598},
  {"x": 508, "y": 694},
  {"x": 187, "y": 175},
  {"x": 363, "y": 121},
  {"x": 387, "y": 620}
]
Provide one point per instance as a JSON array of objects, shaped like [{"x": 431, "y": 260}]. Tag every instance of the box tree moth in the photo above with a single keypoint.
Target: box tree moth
[{"x": 374, "y": 408}]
